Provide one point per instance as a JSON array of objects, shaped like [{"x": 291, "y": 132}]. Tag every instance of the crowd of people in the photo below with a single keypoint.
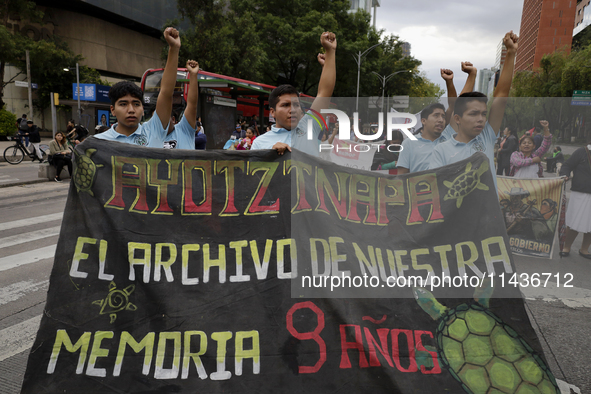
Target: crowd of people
[{"x": 446, "y": 136}]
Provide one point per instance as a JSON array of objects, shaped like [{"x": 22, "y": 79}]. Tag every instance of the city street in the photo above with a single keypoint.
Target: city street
[{"x": 30, "y": 219}]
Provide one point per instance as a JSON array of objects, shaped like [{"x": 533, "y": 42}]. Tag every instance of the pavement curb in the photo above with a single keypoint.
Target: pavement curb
[{"x": 24, "y": 183}]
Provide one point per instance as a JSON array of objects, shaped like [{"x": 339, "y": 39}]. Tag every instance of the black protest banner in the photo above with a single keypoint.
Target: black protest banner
[
  {"x": 533, "y": 210},
  {"x": 175, "y": 270}
]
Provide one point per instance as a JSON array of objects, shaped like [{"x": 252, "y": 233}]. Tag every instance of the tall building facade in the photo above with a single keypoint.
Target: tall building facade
[
  {"x": 405, "y": 48},
  {"x": 366, "y": 5},
  {"x": 501, "y": 55},
  {"x": 582, "y": 18},
  {"x": 485, "y": 76},
  {"x": 546, "y": 26}
]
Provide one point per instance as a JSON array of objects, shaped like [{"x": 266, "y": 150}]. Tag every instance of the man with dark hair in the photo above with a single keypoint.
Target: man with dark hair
[
  {"x": 23, "y": 129},
  {"x": 474, "y": 132},
  {"x": 182, "y": 134},
  {"x": 291, "y": 124},
  {"x": 416, "y": 155},
  {"x": 200, "y": 137},
  {"x": 76, "y": 133},
  {"x": 35, "y": 139},
  {"x": 127, "y": 104}
]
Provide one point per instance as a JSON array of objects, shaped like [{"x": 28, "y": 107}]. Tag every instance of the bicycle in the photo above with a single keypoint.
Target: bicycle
[{"x": 16, "y": 153}]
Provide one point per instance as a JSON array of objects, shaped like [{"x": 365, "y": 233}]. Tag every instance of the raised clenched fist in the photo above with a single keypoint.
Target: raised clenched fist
[
  {"x": 328, "y": 41},
  {"x": 510, "y": 41},
  {"x": 447, "y": 74},
  {"x": 171, "y": 35},
  {"x": 468, "y": 68},
  {"x": 192, "y": 66}
]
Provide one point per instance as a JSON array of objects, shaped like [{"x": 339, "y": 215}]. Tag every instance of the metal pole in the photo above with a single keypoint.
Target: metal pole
[
  {"x": 30, "y": 85},
  {"x": 358, "y": 76},
  {"x": 358, "y": 60},
  {"x": 78, "y": 90},
  {"x": 53, "y": 115}
]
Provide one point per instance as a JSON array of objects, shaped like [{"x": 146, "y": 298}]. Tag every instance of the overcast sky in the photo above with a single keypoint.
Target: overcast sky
[{"x": 444, "y": 33}]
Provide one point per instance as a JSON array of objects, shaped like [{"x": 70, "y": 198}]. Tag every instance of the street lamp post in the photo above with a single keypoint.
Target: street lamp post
[
  {"x": 385, "y": 79},
  {"x": 358, "y": 58},
  {"x": 77, "y": 90}
]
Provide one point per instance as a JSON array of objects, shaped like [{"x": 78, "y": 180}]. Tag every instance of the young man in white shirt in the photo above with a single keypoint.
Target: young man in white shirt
[
  {"x": 127, "y": 104},
  {"x": 416, "y": 155},
  {"x": 291, "y": 124},
  {"x": 477, "y": 130}
]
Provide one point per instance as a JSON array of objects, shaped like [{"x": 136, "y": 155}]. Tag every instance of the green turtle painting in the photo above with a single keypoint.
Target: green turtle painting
[
  {"x": 482, "y": 352},
  {"x": 465, "y": 183},
  {"x": 84, "y": 171}
]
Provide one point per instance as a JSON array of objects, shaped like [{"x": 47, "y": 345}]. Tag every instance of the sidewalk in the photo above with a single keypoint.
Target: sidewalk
[{"x": 23, "y": 173}]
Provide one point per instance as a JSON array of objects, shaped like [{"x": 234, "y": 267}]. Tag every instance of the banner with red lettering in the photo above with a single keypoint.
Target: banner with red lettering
[
  {"x": 236, "y": 272},
  {"x": 533, "y": 210}
]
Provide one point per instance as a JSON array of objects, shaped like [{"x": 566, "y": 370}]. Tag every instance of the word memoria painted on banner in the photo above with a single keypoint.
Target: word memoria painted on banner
[{"x": 113, "y": 353}]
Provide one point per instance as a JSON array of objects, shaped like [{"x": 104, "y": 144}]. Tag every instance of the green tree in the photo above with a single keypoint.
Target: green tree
[
  {"x": 221, "y": 41},
  {"x": 546, "y": 93},
  {"x": 12, "y": 46},
  {"x": 276, "y": 42},
  {"x": 48, "y": 61}
]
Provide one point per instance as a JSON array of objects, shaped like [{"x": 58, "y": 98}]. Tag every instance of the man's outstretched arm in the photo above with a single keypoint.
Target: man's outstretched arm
[
  {"x": 329, "y": 73},
  {"x": 448, "y": 77},
  {"x": 164, "y": 103},
  {"x": 193, "y": 95},
  {"x": 469, "y": 69},
  {"x": 497, "y": 110}
]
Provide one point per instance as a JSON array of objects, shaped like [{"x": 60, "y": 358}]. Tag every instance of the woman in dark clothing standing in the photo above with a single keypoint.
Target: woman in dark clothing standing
[
  {"x": 578, "y": 212},
  {"x": 508, "y": 146}
]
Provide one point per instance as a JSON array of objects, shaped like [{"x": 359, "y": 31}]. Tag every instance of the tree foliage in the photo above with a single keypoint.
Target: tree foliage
[
  {"x": 48, "y": 58},
  {"x": 547, "y": 91},
  {"x": 7, "y": 122},
  {"x": 277, "y": 41}
]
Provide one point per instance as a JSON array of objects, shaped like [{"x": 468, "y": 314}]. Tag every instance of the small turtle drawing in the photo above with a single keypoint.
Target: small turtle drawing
[
  {"x": 116, "y": 301},
  {"x": 482, "y": 352},
  {"x": 465, "y": 183},
  {"x": 85, "y": 171}
]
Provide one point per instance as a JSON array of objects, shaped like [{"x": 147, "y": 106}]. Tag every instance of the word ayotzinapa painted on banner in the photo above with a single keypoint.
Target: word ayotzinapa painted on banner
[{"x": 174, "y": 272}]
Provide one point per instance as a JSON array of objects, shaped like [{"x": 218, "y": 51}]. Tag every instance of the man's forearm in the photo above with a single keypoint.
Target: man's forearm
[
  {"x": 470, "y": 82},
  {"x": 329, "y": 75},
  {"x": 170, "y": 70},
  {"x": 192, "y": 98}
]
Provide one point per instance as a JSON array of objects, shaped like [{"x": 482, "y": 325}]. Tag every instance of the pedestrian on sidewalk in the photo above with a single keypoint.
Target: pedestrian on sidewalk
[
  {"x": 60, "y": 155},
  {"x": 578, "y": 212},
  {"x": 23, "y": 129},
  {"x": 34, "y": 139}
]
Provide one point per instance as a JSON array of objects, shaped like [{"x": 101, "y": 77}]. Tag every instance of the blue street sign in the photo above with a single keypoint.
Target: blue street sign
[
  {"x": 87, "y": 92},
  {"x": 102, "y": 93}
]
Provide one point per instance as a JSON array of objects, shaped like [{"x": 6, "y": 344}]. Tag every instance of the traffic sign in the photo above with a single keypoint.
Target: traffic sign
[
  {"x": 581, "y": 97},
  {"x": 24, "y": 84}
]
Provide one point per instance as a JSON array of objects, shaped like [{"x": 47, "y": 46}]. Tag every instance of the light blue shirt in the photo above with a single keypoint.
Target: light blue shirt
[
  {"x": 296, "y": 138},
  {"x": 150, "y": 134},
  {"x": 416, "y": 155},
  {"x": 182, "y": 137},
  {"x": 453, "y": 151}
]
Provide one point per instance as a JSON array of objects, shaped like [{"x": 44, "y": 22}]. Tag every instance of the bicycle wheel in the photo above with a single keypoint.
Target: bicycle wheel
[
  {"x": 44, "y": 151},
  {"x": 13, "y": 154}
]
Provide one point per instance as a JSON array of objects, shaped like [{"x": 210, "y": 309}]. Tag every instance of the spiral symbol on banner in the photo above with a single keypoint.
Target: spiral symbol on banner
[{"x": 116, "y": 301}]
